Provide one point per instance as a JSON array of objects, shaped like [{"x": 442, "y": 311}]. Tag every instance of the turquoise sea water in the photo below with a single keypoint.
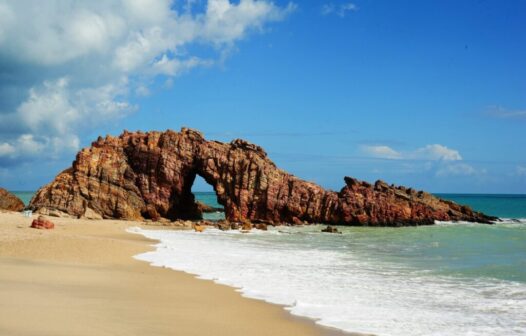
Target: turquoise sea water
[
  {"x": 500, "y": 205},
  {"x": 25, "y": 196},
  {"x": 210, "y": 198}
]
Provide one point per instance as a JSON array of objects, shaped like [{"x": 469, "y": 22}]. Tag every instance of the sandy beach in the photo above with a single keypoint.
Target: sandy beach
[{"x": 81, "y": 279}]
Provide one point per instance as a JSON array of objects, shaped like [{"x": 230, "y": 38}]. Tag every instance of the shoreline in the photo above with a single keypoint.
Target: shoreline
[{"x": 82, "y": 278}]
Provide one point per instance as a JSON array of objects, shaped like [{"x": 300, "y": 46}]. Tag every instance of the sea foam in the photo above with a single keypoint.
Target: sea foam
[{"x": 318, "y": 276}]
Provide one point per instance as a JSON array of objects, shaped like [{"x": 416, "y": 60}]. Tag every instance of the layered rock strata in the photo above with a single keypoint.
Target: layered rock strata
[
  {"x": 42, "y": 223},
  {"x": 150, "y": 175}
]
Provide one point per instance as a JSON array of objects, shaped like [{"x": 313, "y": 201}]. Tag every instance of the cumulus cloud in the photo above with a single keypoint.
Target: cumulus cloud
[
  {"x": 442, "y": 160},
  {"x": 68, "y": 66},
  {"x": 429, "y": 152},
  {"x": 225, "y": 22},
  {"x": 23, "y": 147},
  {"x": 437, "y": 152},
  {"x": 381, "y": 152},
  {"x": 338, "y": 9}
]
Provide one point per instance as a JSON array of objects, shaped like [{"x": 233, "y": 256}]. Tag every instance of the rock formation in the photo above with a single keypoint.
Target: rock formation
[
  {"x": 150, "y": 175},
  {"x": 42, "y": 223},
  {"x": 205, "y": 208},
  {"x": 330, "y": 229},
  {"x": 10, "y": 202}
]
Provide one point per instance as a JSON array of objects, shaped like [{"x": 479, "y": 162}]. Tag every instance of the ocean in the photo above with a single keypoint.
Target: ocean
[{"x": 445, "y": 279}]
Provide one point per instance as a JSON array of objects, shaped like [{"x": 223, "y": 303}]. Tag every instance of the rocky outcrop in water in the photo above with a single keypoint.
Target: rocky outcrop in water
[
  {"x": 205, "y": 208},
  {"x": 10, "y": 202},
  {"x": 150, "y": 175},
  {"x": 330, "y": 229}
]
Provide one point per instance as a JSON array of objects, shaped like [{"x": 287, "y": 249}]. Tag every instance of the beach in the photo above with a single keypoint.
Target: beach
[
  {"x": 262, "y": 167},
  {"x": 81, "y": 279}
]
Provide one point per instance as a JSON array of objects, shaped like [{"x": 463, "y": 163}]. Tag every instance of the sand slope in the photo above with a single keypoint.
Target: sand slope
[{"x": 81, "y": 279}]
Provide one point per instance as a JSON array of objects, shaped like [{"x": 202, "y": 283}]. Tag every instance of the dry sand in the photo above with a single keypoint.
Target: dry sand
[{"x": 81, "y": 279}]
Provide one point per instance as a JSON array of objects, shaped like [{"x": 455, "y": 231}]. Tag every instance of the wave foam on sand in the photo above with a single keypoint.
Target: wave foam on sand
[{"x": 341, "y": 289}]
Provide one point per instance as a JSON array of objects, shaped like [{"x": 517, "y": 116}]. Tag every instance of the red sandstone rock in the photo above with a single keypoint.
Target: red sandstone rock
[
  {"x": 129, "y": 176},
  {"x": 151, "y": 213},
  {"x": 296, "y": 221},
  {"x": 10, "y": 202},
  {"x": 42, "y": 223}
]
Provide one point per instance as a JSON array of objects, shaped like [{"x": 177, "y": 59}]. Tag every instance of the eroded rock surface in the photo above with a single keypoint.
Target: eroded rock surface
[
  {"x": 42, "y": 223},
  {"x": 150, "y": 175},
  {"x": 10, "y": 202}
]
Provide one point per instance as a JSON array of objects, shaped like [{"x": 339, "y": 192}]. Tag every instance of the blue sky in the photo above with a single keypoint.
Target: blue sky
[{"x": 429, "y": 94}]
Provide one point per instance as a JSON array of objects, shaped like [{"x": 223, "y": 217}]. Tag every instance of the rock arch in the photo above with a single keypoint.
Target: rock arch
[{"x": 148, "y": 175}]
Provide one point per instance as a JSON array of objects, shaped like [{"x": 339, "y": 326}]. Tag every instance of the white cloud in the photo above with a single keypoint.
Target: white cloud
[
  {"x": 6, "y": 149},
  {"x": 58, "y": 32},
  {"x": 442, "y": 160},
  {"x": 75, "y": 64},
  {"x": 142, "y": 91},
  {"x": 327, "y": 9},
  {"x": 429, "y": 152},
  {"x": 225, "y": 22},
  {"x": 48, "y": 107},
  {"x": 173, "y": 67},
  {"x": 348, "y": 7},
  {"x": 338, "y": 9},
  {"x": 55, "y": 112},
  {"x": 436, "y": 152},
  {"x": 382, "y": 152},
  {"x": 7, "y": 16},
  {"x": 25, "y": 145}
]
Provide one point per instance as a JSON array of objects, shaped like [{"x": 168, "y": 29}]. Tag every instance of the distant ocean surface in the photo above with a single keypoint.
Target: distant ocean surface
[
  {"x": 500, "y": 205},
  {"x": 25, "y": 196},
  {"x": 446, "y": 279}
]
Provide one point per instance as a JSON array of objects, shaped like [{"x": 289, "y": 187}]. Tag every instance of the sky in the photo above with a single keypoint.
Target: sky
[{"x": 427, "y": 94}]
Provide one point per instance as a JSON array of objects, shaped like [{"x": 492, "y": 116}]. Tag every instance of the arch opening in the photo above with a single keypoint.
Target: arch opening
[{"x": 207, "y": 200}]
